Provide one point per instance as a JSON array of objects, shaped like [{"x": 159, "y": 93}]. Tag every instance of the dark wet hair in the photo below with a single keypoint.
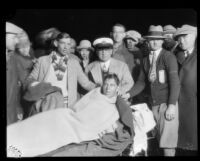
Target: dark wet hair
[
  {"x": 62, "y": 35},
  {"x": 119, "y": 25},
  {"x": 112, "y": 76}
]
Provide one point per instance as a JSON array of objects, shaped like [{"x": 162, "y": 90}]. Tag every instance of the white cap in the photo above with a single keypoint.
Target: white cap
[
  {"x": 103, "y": 42},
  {"x": 11, "y": 28}
]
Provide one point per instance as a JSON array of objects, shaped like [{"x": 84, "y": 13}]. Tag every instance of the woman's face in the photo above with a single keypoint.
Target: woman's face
[
  {"x": 85, "y": 54},
  {"x": 110, "y": 88}
]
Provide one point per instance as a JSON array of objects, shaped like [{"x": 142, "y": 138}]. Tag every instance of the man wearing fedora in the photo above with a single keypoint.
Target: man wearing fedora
[
  {"x": 187, "y": 61},
  {"x": 106, "y": 64},
  {"x": 161, "y": 71},
  {"x": 169, "y": 42}
]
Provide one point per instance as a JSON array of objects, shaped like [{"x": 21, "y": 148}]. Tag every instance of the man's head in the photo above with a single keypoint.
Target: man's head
[
  {"x": 104, "y": 48},
  {"x": 12, "y": 32},
  {"x": 186, "y": 36},
  {"x": 118, "y": 33},
  {"x": 73, "y": 46},
  {"x": 155, "y": 37},
  {"x": 63, "y": 44},
  {"x": 110, "y": 85},
  {"x": 132, "y": 39}
]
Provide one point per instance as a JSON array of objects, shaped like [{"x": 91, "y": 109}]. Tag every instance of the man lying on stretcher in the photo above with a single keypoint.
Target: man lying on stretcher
[{"x": 91, "y": 118}]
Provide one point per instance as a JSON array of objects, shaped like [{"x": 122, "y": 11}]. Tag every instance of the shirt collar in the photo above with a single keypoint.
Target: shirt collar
[{"x": 107, "y": 63}]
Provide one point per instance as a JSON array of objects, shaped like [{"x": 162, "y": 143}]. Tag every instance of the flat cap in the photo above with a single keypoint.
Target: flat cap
[{"x": 186, "y": 29}]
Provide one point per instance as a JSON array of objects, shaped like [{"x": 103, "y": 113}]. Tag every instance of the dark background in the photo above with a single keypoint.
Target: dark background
[{"x": 88, "y": 23}]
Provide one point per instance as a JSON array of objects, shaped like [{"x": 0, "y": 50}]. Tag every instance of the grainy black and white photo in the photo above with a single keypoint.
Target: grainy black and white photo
[{"x": 101, "y": 82}]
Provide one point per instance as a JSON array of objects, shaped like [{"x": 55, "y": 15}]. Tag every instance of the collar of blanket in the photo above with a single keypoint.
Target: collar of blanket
[{"x": 59, "y": 66}]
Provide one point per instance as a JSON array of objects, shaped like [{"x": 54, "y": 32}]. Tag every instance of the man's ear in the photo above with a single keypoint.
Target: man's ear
[{"x": 55, "y": 43}]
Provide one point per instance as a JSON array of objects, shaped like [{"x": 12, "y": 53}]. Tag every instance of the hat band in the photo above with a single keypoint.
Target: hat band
[{"x": 155, "y": 33}]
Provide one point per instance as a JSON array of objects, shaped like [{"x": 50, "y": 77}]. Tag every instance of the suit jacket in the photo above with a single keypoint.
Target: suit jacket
[
  {"x": 75, "y": 75},
  {"x": 118, "y": 67},
  {"x": 167, "y": 91},
  {"x": 188, "y": 101}
]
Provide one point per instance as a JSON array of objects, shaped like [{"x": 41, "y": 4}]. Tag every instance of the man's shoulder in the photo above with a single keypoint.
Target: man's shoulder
[{"x": 93, "y": 64}]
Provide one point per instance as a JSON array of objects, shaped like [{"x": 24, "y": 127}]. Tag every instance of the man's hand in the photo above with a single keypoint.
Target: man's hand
[
  {"x": 125, "y": 96},
  {"x": 170, "y": 112},
  {"x": 20, "y": 116}
]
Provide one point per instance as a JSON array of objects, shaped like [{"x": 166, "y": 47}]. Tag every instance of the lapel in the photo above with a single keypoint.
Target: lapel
[
  {"x": 159, "y": 57},
  {"x": 46, "y": 68},
  {"x": 181, "y": 57},
  {"x": 96, "y": 73}
]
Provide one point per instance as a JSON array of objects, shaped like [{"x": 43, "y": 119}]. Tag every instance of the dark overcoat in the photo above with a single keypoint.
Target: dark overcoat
[{"x": 188, "y": 101}]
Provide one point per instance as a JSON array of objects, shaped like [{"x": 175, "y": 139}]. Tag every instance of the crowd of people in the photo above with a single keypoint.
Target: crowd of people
[{"x": 56, "y": 76}]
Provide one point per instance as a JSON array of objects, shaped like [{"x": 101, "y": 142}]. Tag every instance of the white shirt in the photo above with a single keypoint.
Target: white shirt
[
  {"x": 157, "y": 54},
  {"x": 105, "y": 65}
]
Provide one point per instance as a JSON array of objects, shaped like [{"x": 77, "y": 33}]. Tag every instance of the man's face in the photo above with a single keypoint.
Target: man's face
[
  {"x": 11, "y": 41},
  {"x": 118, "y": 33},
  {"x": 63, "y": 46},
  {"x": 130, "y": 44},
  {"x": 104, "y": 54},
  {"x": 85, "y": 54},
  {"x": 186, "y": 41},
  {"x": 110, "y": 88},
  {"x": 155, "y": 44}
]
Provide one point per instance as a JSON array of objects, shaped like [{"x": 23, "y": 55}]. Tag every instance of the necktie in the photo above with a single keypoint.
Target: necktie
[
  {"x": 104, "y": 70},
  {"x": 152, "y": 71}
]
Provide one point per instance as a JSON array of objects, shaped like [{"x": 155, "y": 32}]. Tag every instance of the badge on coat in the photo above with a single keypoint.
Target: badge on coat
[{"x": 161, "y": 76}]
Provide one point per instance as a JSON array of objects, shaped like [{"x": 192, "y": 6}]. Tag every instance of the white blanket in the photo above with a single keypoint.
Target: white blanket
[{"x": 47, "y": 131}]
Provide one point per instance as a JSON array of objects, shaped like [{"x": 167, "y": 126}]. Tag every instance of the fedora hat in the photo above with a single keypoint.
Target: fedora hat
[
  {"x": 185, "y": 29},
  {"x": 155, "y": 32},
  {"x": 132, "y": 34},
  {"x": 103, "y": 42},
  {"x": 85, "y": 44},
  {"x": 169, "y": 29}
]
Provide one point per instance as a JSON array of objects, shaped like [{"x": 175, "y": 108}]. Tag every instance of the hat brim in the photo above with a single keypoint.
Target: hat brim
[
  {"x": 134, "y": 39},
  {"x": 154, "y": 37},
  {"x": 104, "y": 46},
  {"x": 183, "y": 33}
]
